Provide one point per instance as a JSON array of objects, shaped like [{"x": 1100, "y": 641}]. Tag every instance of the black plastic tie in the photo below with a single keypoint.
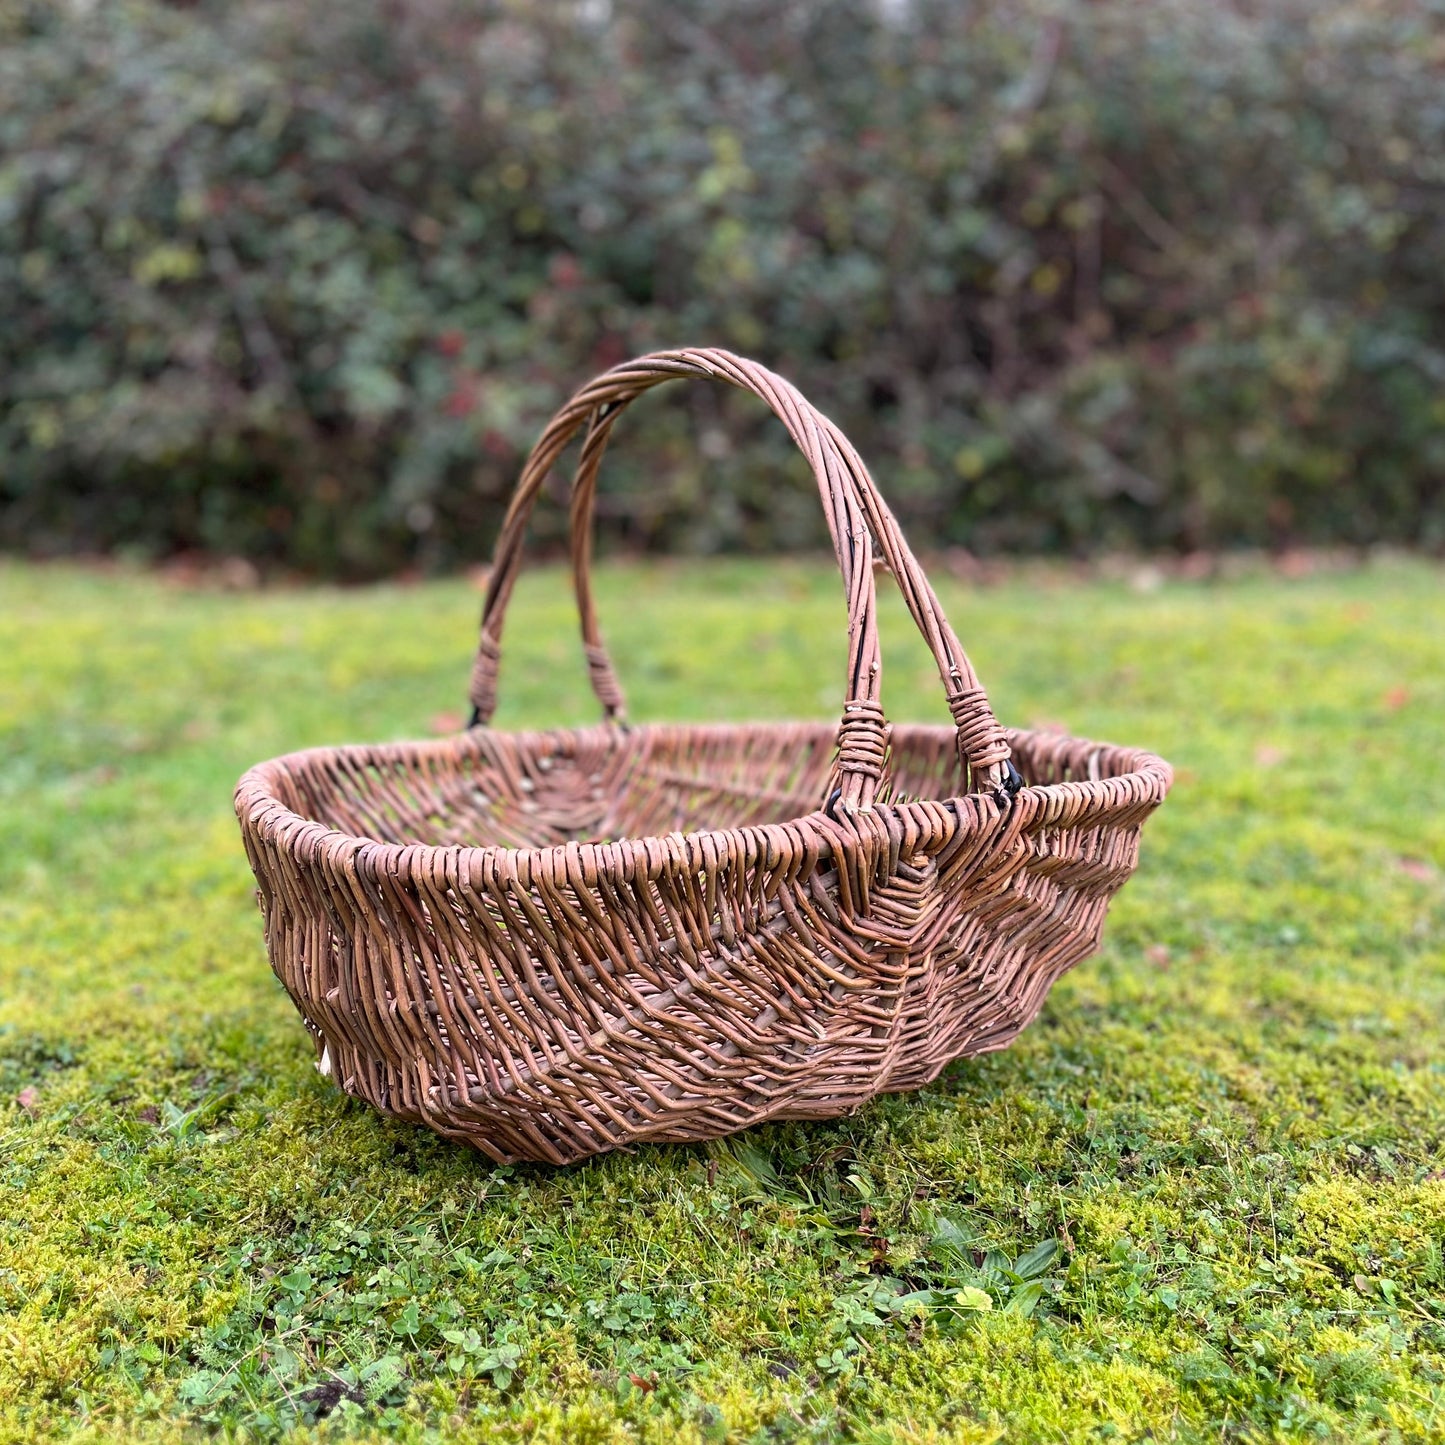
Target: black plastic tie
[{"x": 1011, "y": 786}]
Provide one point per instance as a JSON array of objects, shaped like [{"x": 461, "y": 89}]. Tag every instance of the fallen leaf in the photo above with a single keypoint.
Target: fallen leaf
[
  {"x": 238, "y": 575},
  {"x": 961, "y": 563},
  {"x": 1417, "y": 868},
  {"x": 28, "y": 1098},
  {"x": 445, "y": 723},
  {"x": 1396, "y": 698},
  {"x": 149, "y": 1115},
  {"x": 645, "y": 1385}
]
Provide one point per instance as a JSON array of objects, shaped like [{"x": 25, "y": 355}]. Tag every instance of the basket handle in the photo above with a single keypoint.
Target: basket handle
[{"x": 855, "y": 512}]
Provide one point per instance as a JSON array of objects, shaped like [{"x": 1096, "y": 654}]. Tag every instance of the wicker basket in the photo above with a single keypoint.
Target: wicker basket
[{"x": 553, "y": 944}]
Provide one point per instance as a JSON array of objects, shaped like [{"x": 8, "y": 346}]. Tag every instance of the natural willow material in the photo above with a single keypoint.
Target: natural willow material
[{"x": 553, "y": 944}]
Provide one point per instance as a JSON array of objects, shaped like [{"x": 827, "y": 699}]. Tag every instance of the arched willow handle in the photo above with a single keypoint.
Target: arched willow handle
[{"x": 856, "y": 514}]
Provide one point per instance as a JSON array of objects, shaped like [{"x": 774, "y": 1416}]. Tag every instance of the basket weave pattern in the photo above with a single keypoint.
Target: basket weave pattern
[{"x": 553, "y": 944}]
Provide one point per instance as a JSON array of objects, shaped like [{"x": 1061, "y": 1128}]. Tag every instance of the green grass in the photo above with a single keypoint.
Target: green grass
[{"x": 1231, "y": 1122}]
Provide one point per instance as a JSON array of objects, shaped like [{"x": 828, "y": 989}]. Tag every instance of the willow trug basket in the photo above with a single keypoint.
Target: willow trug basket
[{"x": 551, "y": 944}]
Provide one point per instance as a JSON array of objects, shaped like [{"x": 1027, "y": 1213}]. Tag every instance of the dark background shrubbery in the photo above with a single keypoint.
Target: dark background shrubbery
[{"x": 300, "y": 280}]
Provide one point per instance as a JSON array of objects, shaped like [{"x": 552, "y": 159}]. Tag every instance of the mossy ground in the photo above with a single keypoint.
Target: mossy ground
[{"x": 1232, "y": 1121}]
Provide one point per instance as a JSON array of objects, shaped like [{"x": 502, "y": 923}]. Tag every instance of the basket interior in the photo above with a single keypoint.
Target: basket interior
[{"x": 529, "y": 790}]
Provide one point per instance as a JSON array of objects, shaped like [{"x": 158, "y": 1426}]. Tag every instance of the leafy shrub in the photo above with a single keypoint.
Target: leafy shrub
[{"x": 302, "y": 281}]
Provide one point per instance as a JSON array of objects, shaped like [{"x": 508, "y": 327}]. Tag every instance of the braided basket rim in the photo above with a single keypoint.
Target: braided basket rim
[{"x": 1065, "y": 803}]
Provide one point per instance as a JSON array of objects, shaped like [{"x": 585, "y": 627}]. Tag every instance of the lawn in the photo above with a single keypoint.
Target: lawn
[{"x": 1202, "y": 1198}]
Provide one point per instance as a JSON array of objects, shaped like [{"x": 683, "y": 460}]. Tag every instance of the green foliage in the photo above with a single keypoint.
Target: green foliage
[
  {"x": 302, "y": 281},
  {"x": 1202, "y": 1197}
]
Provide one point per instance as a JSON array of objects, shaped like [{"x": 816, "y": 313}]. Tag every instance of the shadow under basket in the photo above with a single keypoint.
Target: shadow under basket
[{"x": 553, "y": 944}]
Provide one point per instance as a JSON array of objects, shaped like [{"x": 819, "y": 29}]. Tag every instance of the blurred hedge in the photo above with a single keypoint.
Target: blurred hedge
[{"x": 301, "y": 280}]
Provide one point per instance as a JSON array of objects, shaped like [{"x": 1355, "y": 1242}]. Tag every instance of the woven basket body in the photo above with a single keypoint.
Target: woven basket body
[{"x": 554, "y": 944}]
